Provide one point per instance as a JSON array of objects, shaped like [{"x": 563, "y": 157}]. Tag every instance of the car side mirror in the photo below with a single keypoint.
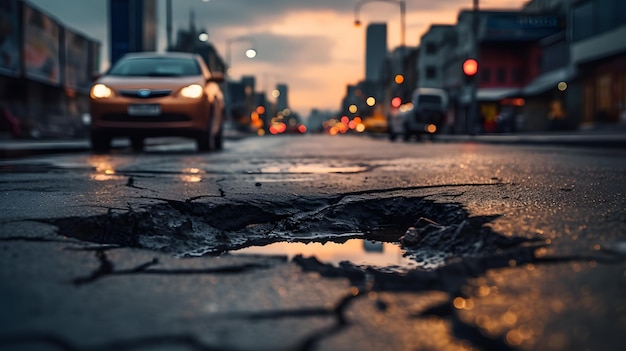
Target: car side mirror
[{"x": 217, "y": 77}]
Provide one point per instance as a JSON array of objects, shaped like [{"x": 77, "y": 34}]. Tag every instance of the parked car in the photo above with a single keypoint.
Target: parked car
[
  {"x": 154, "y": 95},
  {"x": 426, "y": 117}
]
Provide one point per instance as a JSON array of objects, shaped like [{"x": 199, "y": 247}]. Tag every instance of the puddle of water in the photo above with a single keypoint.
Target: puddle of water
[
  {"x": 616, "y": 247},
  {"x": 312, "y": 169},
  {"x": 357, "y": 251},
  {"x": 282, "y": 180}
]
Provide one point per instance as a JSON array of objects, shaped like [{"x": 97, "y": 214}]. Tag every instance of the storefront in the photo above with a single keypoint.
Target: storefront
[{"x": 604, "y": 91}]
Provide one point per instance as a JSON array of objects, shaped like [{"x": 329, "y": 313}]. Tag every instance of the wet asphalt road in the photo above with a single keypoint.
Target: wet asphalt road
[{"x": 516, "y": 247}]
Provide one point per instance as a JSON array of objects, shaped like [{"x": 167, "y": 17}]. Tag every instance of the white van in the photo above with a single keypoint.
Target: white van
[{"x": 427, "y": 117}]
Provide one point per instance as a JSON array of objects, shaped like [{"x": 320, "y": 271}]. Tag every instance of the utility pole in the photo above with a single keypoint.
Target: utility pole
[{"x": 473, "y": 112}]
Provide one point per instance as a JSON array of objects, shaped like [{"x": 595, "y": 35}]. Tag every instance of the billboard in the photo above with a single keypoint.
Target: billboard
[
  {"x": 77, "y": 75},
  {"x": 9, "y": 38},
  {"x": 41, "y": 46},
  {"x": 521, "y": 27}
]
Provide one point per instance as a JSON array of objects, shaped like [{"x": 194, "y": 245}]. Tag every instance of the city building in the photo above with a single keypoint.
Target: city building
[
  {"x": 242, "y": 104},
  {"x": 430, "y": 69},
  {"x": 282, "y": 102},
  {"x": 507, "y": 46},
  {"x": 375, "y": 50},
  {"x": 188, "y": 40},
  {"x": 550, "y": 65},
  {"x": 132, "y": 27},
  {"x": 316, "y": 120},
  {"x": 598, "y": 52},
  {"x": 43, "y": 95},
  {"x": 390, "y": 77},
  {"x": 399, "y": 78},
  {"x": 553, "y": 65}
]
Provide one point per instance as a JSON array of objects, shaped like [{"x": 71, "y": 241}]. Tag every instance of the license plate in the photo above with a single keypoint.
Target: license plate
[{"x": 144, "y": 110}]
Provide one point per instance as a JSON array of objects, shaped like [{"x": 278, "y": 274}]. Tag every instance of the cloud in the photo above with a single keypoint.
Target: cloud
[
  {"x": 217, "y": 13},
  {"x": 280, "y": 49}
]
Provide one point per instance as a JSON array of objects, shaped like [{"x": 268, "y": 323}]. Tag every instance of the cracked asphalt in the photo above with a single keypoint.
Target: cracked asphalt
[{"x": 516, "y": 247}]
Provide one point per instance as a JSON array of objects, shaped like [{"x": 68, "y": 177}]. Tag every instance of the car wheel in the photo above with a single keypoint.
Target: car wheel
[
  {"x": 204, "y": 141},
  {"x": 100, "y": 142},
  {"x": 137, "y": 144},
  {"x": 219, "y": 139}
]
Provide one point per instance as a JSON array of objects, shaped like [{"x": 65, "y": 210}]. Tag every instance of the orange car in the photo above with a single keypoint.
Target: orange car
[{"x": 157, "y": 94}]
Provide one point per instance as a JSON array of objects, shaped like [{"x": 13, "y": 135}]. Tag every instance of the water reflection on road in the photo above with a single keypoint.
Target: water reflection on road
[{"x": 357, "y": 251}]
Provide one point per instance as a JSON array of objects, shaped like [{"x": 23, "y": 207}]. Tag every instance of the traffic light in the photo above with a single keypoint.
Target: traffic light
[
  {"x": 470, "y": 67},
  {"x": 396, "y": 102}
]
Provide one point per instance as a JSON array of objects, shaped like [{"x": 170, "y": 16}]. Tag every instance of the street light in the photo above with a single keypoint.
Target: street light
[
  {"x": 250, "y": 52},
  {"x": 402, "y": 5}
]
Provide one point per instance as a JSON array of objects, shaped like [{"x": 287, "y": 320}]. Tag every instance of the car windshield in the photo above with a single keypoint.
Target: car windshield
[{"x": 156, "y": 67}]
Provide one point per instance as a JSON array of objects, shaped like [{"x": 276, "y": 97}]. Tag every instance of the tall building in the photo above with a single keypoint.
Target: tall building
[
  {"x": 375, "y": 51},
  {"x": 132, "y": 26},
  {"x": 281, "y": 100}
]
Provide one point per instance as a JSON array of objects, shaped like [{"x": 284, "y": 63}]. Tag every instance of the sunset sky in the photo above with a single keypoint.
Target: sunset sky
[{"x": 310, "y": 45}]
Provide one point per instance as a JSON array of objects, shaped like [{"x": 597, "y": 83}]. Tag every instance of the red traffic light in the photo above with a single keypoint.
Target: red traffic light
[
  {"x": 470, "y": 67},
  {"x": 396, "y": 102}
]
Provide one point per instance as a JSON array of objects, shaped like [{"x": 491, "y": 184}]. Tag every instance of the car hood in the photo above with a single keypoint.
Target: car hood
[{"x": 171, "y": 83}]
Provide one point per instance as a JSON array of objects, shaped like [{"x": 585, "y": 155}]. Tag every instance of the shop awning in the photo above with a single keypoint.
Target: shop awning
[
  {"x": 495, "y": 94},
  {"x": 490, "y": 94},
  {"x": 548, "y": 81}
]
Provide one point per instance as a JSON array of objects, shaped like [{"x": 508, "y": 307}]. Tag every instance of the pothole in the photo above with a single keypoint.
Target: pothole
[{"x": 393, "y": 232}]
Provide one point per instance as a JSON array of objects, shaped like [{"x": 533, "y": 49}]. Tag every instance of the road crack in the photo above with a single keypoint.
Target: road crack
[{"x": 107, "y": 269}]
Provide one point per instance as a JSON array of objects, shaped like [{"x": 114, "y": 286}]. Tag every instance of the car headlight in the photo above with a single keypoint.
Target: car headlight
[
  {"x": 100, "y": 91},
  {"x": 192, "y": 91}
]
